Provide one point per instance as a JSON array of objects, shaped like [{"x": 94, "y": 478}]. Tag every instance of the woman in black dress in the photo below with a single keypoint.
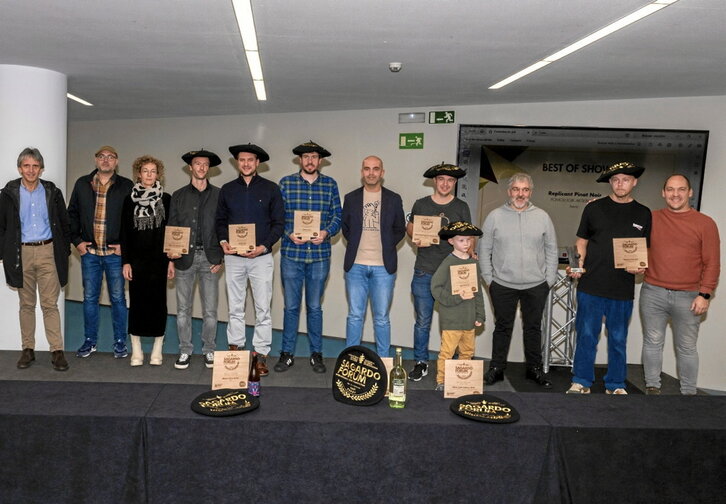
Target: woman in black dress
[{"x": 145, "y": 265}]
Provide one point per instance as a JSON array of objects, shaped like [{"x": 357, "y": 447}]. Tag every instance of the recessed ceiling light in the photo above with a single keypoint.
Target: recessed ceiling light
[
  {"x": 246, "y": 23},
  {"x": 79, "y": 100},
  {"x": 602, "y": 32}
]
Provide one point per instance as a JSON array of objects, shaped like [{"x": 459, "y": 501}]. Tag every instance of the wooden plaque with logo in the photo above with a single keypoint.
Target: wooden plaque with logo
[
  {"x": 231, "y": 369},
  {"x": 463, "y": 278},
  {"x": 176, "y": 240},
  {"x": 306, "y": 224},
  {"x": 426, "y": 230},
  {"x": 242, "y": 238},
  {"x": 463, "y": 377},
  {"x": 630, "y": 253}
]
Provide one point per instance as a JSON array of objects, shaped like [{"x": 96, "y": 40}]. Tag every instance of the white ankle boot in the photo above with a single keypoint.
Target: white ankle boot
[
  {"x": 156, "y": 357},
  {"x": 137, "y": 354}
]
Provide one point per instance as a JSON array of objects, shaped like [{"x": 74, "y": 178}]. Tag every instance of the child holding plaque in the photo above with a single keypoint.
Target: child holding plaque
[{"x": 456, "y": 286}]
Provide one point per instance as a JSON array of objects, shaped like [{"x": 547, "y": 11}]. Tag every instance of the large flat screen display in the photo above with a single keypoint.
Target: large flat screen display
[{"x": 565, "y": 162}]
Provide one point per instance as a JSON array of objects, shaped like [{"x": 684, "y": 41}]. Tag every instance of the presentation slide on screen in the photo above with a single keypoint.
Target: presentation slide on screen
[{"x": 565, "y": 163}]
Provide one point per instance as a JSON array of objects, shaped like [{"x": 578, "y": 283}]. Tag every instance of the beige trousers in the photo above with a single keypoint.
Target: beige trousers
[
  {"x": 39, "y": 274},
  {"x": 449, "y": 341}
]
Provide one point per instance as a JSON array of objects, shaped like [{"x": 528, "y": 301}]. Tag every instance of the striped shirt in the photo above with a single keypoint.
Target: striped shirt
[{"x": 322, "y": 196}]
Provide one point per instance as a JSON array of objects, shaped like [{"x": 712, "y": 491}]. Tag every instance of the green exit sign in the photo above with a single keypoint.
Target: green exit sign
[
  {"x": 411, "y": 141},
  {"x": 442, "y": 117}
]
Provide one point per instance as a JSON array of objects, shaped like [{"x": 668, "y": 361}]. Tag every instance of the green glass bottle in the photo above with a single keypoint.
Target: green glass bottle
[{"x": 397, "y": 383}]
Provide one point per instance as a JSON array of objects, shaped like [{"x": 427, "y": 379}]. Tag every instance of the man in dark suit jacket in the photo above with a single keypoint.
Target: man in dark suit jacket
[{"x": 373, "y": 224}]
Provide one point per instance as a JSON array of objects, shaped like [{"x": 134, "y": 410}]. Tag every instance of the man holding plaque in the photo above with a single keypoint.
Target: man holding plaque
[
  {"x": 373, "y": 224},
  {"x": 250, "y": 220},
  {"x": 312, "y": 217},
  {"x": 428, "y": 215},
  {"x": 604, "y": 290},
  {"x": 518, "y": 260},
  {"x": 193, "y": 209},
  {"x": 684, "y": 264}
]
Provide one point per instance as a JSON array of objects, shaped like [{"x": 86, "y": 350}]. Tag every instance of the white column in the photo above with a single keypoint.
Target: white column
[{"x": 33, "y": 113}]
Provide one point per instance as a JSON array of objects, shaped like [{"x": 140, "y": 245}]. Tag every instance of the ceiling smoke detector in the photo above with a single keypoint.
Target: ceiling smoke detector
[{"x": 395, "y": 66}]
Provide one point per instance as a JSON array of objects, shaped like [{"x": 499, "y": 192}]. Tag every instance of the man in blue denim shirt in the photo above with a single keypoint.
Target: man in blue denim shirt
[
  {"x": 307, "y": 262},
  {"x": 443, "y": 204},
  {"x": 95, "y": 215}
]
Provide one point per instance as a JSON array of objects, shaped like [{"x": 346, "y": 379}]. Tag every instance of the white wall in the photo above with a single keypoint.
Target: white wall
[{"x": 351, "y": 135}]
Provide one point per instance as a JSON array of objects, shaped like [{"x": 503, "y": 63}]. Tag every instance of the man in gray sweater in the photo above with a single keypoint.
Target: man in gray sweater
[{"x": 518, "y": 260}]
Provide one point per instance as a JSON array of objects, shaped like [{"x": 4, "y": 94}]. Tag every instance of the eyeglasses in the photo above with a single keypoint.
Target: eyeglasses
[{"x": 106, "y": 156}]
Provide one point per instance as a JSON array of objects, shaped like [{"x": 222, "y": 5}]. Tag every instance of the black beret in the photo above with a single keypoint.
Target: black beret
[
  {"x": 262, "y": 156},
  {"x": 459, "y": 228},
  {"x": 444, "y": 169},
  {"x": 213, "y": 158},
  {"x": 310, "y": 146},
  {"x": 624, "y": 167}
]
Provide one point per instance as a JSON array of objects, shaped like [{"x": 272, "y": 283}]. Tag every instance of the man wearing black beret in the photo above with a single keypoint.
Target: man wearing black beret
[
  {"x": 306, "y": 263},
  {"x": 444, "y": 204},
  {"x": 194, "y": 206},
  {"x": 250, "y": 199}
]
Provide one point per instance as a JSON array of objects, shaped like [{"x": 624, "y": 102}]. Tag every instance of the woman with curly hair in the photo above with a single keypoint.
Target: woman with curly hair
[{"x": 145, "y": 265}]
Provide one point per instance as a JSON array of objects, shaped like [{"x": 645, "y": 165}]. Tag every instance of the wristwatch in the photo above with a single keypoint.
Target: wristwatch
[{"x": 704, "y": 295}]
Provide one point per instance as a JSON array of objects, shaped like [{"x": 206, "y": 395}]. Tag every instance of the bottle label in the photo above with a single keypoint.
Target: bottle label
[
  {"x": 253, "y": 388},
  {"x": 398, "y": 390}
]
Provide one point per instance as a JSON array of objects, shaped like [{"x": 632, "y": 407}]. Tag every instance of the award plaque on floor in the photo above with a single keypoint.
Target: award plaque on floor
[
  {"x": 231, "y": 369},
  {"x": 463, "y": 377}
]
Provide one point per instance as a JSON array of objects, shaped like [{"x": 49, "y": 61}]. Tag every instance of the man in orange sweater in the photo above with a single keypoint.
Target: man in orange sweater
[{"x": 683, "y": 270}]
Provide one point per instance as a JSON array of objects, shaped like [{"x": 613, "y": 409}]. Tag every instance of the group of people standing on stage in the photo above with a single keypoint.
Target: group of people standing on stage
[{"x": 118, "y": 227}]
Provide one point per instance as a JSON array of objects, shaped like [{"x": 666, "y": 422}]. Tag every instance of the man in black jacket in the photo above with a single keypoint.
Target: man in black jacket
[
  {"x": 95, "y": 215},
  {"x": 35, "y": 245},
  {"x": 373, "y": 224},
  {"x": 194, "y": 206}
]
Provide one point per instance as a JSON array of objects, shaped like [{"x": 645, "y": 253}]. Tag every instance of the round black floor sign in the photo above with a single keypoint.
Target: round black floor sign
[
  {"x": 224, "y": 402},
  {"x": 360, "y": 377},
  {"x": 484, "y": 408}
]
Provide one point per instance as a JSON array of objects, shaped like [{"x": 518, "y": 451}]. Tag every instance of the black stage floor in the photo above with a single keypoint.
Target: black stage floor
[{"x": 102, "y": 367}]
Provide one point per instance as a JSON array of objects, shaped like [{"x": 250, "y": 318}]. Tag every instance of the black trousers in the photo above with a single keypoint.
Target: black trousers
[{"x": 532, "y": 302}]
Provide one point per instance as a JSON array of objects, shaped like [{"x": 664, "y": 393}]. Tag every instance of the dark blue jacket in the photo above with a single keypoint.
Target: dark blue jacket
[
  {"x": 259, "y": 203},
  {"x": 393, "y": 226}
]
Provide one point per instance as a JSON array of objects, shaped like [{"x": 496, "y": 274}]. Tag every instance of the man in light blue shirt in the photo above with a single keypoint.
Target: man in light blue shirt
[{"x": 35, "y": 245}]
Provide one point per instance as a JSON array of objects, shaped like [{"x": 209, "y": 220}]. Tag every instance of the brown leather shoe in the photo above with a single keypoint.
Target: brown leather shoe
[
  {"x": 58, "y": 359},
  {"x": 233, "y": 348},
  {"x": 26, "y": 358},
  {"x": 262, "y": 365}
]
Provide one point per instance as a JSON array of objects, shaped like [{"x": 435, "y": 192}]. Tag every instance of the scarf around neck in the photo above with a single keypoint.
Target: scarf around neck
[{"x": 148, "y": 206}]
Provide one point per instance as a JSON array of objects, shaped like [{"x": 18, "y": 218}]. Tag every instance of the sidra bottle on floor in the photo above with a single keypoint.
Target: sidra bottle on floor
[
  {"x": 397, "y": 383},
  {"x": 253, "y": 381}
]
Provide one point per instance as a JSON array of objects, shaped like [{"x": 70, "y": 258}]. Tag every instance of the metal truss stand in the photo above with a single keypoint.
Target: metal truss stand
[{"x": 558, "y": 324}]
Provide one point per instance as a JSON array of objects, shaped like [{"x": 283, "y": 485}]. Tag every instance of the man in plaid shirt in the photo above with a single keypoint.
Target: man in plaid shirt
[{"x": 306, "y": 261}]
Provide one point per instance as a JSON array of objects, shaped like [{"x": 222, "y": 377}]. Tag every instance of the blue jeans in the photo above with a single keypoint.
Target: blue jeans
[
  {"x": 423, "y": 305},
  {"x": 588, "y": 323},
  {"x": 657, "y": 306},
  {"x": 92, "y": 269},
  {"x": 294, "y": 276},
  {"x": 362, "y": 282}
]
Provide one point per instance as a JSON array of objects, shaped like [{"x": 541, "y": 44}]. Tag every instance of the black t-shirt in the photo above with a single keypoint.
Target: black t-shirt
[
  {"x": 429, "y": 258},
  {"x": 602, "y": 220}
]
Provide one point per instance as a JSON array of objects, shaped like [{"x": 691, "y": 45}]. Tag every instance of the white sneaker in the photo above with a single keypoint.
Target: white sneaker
[
  {"x": 617, "y": 391},
  {"x": 576, "y": 388}
]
